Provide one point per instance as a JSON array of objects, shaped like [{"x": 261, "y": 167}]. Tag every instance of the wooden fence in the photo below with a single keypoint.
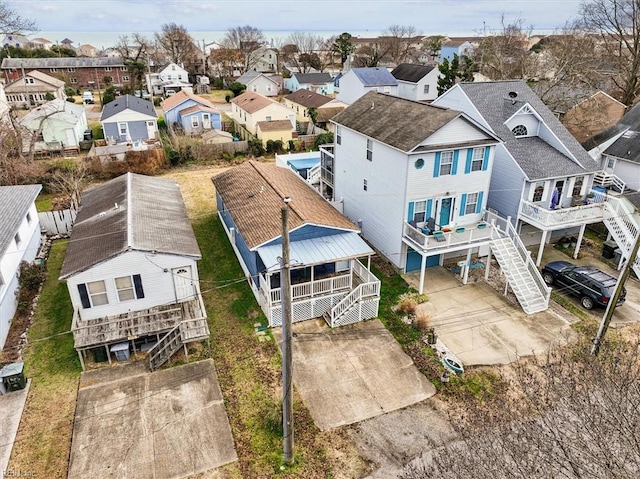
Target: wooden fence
[{"x": 58, "y": 222}]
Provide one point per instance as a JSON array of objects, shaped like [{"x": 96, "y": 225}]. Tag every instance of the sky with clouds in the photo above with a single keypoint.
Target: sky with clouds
[{"x": 451, "y": 17}]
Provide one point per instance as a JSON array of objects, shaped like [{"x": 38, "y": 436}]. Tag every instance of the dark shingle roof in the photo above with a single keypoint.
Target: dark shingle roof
[
  {"x": 128, "y": 102},
  {"x": 630, "y": 121},
  {"x": 626, "y": 147},
  {"x": 401, "y": 123},
  {"x": 308, "y": 99},
  {"x": 131, "y": 212},
  {"x": 375, "y": 76},
  {"x": 410, "y": 72},
  {"x": 62, "y": 62},
  {"x": 314, "y": 78},
  {"x": 253, "y": 193},
  {"x": 275, "y": 125},
  {"x": 15, "y": 201},
  {"x": 496, "y": 102}
]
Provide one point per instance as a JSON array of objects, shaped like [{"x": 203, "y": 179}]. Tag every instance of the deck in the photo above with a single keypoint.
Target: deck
[{"x": 457, "y": 238}]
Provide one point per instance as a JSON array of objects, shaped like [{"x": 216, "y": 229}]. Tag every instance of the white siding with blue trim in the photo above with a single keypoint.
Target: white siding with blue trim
[
  {"x": 382, "y": 208},
  {"x": 157, "y": 284},
  {"x": 456, "y": 131}
]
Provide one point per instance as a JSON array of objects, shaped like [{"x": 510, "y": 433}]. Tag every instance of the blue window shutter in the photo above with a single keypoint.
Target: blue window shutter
[
  {"x": 410, "y": 214},
  {"x": 84, "y": 296},
  {"x": 454, "y": 167},
  {"x": 467, "y": 165},
  {"x": 479, "y": 205},
  {"x": 137, "y": 283},
  {"x": 436, "y": 165},
  {"x": 463, "y": 204},
  {"x": 429, "y": 206},
  {"x": 485, "y": 163}
]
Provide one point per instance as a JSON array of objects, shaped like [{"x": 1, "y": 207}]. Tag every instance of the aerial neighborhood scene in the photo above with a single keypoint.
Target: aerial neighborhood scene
[{"x": 351, "y": 240}]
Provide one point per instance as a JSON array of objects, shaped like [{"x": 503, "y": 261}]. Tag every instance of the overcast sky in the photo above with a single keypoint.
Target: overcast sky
[{"x": 452, "y": 17}]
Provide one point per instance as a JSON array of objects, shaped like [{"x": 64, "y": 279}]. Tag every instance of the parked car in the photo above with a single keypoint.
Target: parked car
[
  {"x": 87, "y": 98},
  {"x": 592, "y": 286}
]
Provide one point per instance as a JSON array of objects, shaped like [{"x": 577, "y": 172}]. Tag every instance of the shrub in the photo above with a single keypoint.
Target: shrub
[
  {"x": 227, "y": 98},
  {"x": 109, "y": 95},
  {"x": 69, "y": 91},
  {"x": 31, "y": 276},
  {"x": 407, "y": 306},
  {"x": 49, "y": 96},
  {"x": 237, "y": 88},
  {"x": 256, "y": 148},
  {"x": 292, "y": 145},
  {"x": 323, "y": 139},
  {"x": 162, "y": 125},
  {"x": 421, "y": 323}
]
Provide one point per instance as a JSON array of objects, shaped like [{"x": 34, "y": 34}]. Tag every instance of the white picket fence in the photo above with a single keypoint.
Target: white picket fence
[{"x": 58, "y": 222}]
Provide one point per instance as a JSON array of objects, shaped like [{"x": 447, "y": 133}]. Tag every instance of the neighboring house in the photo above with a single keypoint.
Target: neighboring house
[
  {"x": 416, "y": 178},
  {"x": 542, "y": 175},
  {"x": 131, "y": 270},
  {"x": 15, "y": 40},
  {"x": 4, "y": 106},
  {"x": 57, "y": 122},
  {"x": 171, "y": 77},
  {"x": 265, "y": 59},
  {"x": 192, "y": 112},
  {"x": 87, "y": 50},
  {"x": 128, "y": 118},
  {"x": 217, "y": 137},
  {"x": 250, "y": 108},
  {"x": 40, "y": 42},
  {"x": 358, "y": 81},
  {"x": 302, "y": 101},
  {"x": 416, "y": 82},
  {"x": 274, "y": 130},
  {"x": 19, "y": 241},
  {"x": 67, "y": 43},
  {"x": 33, "y": 89},
  {"x": 259, "y": 83},
  {"x": 328, "y": 277},
  {"x": 592, "y": 115},
  {"x": 317, "y": 82},
  {"x": 461, "y": 46},
  {"x": 79, "y": 71}
]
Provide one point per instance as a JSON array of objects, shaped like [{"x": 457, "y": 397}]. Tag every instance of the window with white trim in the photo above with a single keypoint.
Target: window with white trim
[
  {"x": 17, "y": 239},
  {"x": 472, "y": 204},
  {"x": 365, "y": 186},
  {"x": 195, "y": 122},
  {"x": 74, "y": 80},
  {"x": 53, "y": 70},
  {"x": 611, "y": 162},
  {"x": 477, "y": 159},
  {"x": 98, "y": 293},
  {"x": 125, "y": 78},
  {"x": 107, "y": 69},
  {"x": 538, "y": 191},
  {"x": 338, "y": 135},
  {"x": 387, "y": 90},
  {"x": 519, "y": 130},
  {"x": 123, "y": 69},
  {"x": 71, "y": 69},
  {"x": 426, "y": 89},
  {"x": 446, "y": 163},
  {"x": 28, "y": 218},
  {"x": 419, "y": 211},
  {"x": 123, "y": 129},
  {"x": 29, "y": 81},
  {"x": 577, "y": 186},
  {"x": 369, "y": 149},
  {"x": 124, "y": 287}
]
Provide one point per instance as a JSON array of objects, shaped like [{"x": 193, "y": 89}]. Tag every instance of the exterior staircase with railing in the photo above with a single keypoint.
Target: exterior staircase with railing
[
  {"x": 623, "y": 223},
  {"x": 609, "y": 181},
  {"x": 313, "y": 174}
]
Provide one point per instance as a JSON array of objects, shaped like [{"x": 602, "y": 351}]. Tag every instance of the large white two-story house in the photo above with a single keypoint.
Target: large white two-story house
[{"x": 415, "y": 178}]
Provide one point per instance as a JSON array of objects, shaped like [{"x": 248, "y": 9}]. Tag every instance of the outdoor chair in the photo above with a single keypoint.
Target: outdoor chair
[{"x": 439, "y": 236}]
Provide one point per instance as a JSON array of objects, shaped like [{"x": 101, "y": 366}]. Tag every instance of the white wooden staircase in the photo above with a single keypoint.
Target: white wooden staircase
[
  {"x": 623, "y": 222},
  {"x": 609, "y": 181}
]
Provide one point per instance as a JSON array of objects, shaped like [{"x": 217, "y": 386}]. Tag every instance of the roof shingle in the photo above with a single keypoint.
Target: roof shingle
[
  {"x": 308, "y": 99},
  {"x": 15, "y": 202},
  {"x": 251, "y": 102},
  {"x": 411, "y": 72},
  {"x": 129, "y": 102}
]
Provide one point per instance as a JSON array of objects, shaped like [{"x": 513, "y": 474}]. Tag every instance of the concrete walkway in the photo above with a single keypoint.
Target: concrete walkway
[
  {"x": 166, "y": 424},
  {"x": 11, "y": 407},
  {"x": 352, "y": 373}
]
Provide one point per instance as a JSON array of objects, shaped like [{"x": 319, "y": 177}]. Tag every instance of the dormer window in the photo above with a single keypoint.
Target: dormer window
[{"x": 519, "y": 130}]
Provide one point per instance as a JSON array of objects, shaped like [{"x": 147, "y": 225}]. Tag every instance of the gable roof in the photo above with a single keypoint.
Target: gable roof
[
  {"x": 313, "y": 78},
  {"x": 275, "y": 125},
  {"x": 627, "y": 147},
  {"x": 375, "y": 76},
  {"x": 411, "y": 72},
  {"x": 308, "y": 99},
  {"x": 496, "y": 102},
  {"x": 181, "y": 96},
  {"x": 395, "y": 121},
  {"x": 128, "y": 102},
  {"x": 59, "y": 109},
  {"x": 252, "y": 193},
  {"x": 62, "y": 62},
  {"x": 195, "y": 108},
  {"x": 15, "y": 202},
  {"x": 43, "y": 77},
  {"x": 630, "y": 121},
  {"x": 251, "y": 101},
  {"x": 130, "y": 212}
]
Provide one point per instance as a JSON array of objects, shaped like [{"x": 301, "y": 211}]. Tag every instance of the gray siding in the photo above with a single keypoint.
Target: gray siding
[{"x": 507, "y": 181}]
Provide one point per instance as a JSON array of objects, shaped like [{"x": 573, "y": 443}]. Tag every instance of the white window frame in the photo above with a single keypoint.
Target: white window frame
[
  {"x": 107, "y": 69},
  {"x": 582, "y": 186},
  {"x": 130, "y": 288},
  {"x": 365, "y": 185},
  {"x": 611, "y": 163},
  {"x": 125, "y": 78},
  {"x": 71, "y": 69},
  {"x": 420, "y": 207},
  {"x": 369, "y": 149},
  {"x": 472, "y": 199},
  {"x": 446, "y": 160},
  {"x": 97, "y": 293},
  {"x": 426, "y": 89},
  {"x": 29, "y": 81},
  {"x": 534, "y": 186},
  {"x": 195, "y": 122},
  {"x": 74, "y": 80},
  {"x": 123, "y": 129},
  {"x": 338, "y": 135},
  {"x": 123, "y": 69},
  {"x": 477, "y": 159}
]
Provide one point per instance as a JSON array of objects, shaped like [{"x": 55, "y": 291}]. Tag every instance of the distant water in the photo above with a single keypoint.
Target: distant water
[{"x": 102, "y": 40}]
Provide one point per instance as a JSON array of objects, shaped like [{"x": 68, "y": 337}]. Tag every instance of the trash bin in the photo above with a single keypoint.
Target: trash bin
[
  {"x": 99, "y": 355},
  {"x": 617, "y": 256},
  {"x": 13, "y": 377},
  {"x": 121, "y": 350},
  {"x": 608, "y": 249},
  {"x": 88, "y": 134}
]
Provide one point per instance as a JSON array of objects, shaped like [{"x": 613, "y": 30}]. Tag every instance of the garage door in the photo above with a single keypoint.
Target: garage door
[{"x": 414, "y": 260}]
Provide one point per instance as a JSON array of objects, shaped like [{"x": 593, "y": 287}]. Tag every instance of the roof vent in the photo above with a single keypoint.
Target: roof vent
[{"x": 512, "y": 94}]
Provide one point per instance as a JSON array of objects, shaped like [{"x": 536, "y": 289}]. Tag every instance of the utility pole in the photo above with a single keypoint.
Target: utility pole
[
  {"x": 24, "y": 85},
  {"x": 608, "y": 314},
  {"x": 287, "y": 366}
]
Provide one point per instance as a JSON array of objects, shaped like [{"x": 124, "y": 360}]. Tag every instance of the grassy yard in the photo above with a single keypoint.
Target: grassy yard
[{"x": 44, "y": 437}]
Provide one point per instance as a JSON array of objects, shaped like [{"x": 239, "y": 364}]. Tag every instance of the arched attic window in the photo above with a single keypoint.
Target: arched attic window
[{"x": 519, "y": 130}]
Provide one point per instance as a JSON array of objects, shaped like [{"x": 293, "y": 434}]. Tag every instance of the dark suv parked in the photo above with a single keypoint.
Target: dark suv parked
[{"x": 591, "y": 285}]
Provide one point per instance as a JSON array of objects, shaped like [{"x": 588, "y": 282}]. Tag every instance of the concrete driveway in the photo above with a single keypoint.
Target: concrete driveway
[
  {"x": 352, "y": 373},
  {"x": 167, "y": 424},
  {"x": 481, "y": 327}
]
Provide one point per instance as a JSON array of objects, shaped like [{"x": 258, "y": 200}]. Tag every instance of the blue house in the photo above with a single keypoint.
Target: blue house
[
  {"x": 461, "y": 46},
  {"x": 128, "y": 119},
  {"x": 191, "y": 112},
  {"x": 316, "y": 82},
  {"x": 330, "y": 273}
]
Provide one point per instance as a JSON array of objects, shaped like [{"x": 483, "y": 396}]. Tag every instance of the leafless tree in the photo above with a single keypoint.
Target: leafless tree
[
  {"x": 366, "y": 56},
  {"x": 569, "y": 415},
  {"x": 247, "y": 40},
  {"x": 176, "y": 44},
  {"x": 11, "y": 22},
  {"x": 617, "y": 23},
  {"x": 136, "y": 50},
  {"x": 432, "y": 46},
  {"x": 223, "y": 61},
  {"x": 399, "y": 44},
  {"x": 301, "y": 51}
]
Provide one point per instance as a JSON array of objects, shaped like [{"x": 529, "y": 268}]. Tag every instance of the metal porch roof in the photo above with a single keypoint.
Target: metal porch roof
[{"x": 313, "y": 251}]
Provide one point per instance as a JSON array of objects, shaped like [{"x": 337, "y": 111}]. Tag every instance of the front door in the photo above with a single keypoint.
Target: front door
[
  {"x": 184, "y": 284},
  {"x": 71, "y": 137},
  {"x": 206, "y": 121},
  {"x": 444, "y": 216},
  {"x": 151, "y": 129}
]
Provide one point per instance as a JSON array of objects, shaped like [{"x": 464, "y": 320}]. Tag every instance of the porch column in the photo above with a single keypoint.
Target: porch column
[
  {"x": 423, "y": 266},
  {"x": 543, "y": 240},
  {"x": 467, "y": 266},
  {"x": 106, "y": 346},
  {"x": 580, "y": 235},
  {"x": 486, "y": 268},
  {"x": 369, "y": 262},
  {"x": 81, "y": 358},
  {"x": 311, "y": 286}
]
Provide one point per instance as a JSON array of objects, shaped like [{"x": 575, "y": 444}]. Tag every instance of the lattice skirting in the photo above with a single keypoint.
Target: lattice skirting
[
  {"x": 307, "y": 309},
  {"x": 358, "y": 312}
]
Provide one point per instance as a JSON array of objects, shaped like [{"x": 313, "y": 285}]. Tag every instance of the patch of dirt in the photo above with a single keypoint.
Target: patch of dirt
[{"x": 384, "y": 266}]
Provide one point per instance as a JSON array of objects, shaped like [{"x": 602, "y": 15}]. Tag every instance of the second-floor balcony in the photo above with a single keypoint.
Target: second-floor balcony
[
  {"x": 545, "y": 218},
  {"x": 449, "y": 239}
]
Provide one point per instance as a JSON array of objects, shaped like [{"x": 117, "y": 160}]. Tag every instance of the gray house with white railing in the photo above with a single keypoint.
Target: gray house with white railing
[{"x": 330, "y": 263}]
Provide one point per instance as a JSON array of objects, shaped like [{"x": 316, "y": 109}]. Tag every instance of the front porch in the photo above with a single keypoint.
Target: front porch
[
  {"x": 341, "y": 296},
  {"x": 139, "y": 330}
]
